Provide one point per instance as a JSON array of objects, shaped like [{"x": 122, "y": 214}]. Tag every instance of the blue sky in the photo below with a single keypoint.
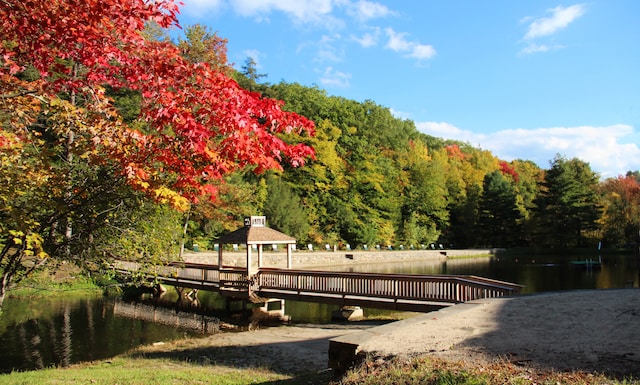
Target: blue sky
[{"x": 523, "y": 79}]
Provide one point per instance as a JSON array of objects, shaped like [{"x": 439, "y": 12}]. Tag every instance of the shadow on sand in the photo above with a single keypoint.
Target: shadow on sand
[{"x": 588, "y": 330}]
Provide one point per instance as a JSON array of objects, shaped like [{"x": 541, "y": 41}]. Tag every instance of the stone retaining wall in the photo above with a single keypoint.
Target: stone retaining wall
[{"x": 301, "y": 259}]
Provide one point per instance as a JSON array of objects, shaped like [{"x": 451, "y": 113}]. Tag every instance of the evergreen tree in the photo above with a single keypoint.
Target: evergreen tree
[
  {"x": 568, "y": 205},
  {"x": 498, "y": 215}
]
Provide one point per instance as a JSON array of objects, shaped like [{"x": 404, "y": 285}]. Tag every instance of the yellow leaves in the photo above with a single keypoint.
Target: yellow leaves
[
  {"x": 31, "y": 243},
  {"x": 17, "y": 236},
  {"x": 165, "y": 195},
  {"x": 9, "y": 141}
]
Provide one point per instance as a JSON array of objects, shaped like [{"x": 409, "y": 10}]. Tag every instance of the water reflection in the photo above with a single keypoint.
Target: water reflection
[
  {"x": 196, "y": 322},
  {"x": 58, "y": 332}
]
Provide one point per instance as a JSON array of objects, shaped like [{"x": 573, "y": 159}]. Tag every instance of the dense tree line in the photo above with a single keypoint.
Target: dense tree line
[{"x": 377, "y": 180}]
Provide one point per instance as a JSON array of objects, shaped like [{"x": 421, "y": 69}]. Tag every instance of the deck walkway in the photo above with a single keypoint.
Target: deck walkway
[{"x": 387, "y": 291}]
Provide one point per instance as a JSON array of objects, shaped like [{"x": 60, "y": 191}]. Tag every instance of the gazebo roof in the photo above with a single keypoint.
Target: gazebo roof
[{"x": 256, "y": 235}]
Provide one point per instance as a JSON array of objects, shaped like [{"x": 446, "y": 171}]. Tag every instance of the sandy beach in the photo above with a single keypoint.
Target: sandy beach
[{"x": 591, "y": 330}]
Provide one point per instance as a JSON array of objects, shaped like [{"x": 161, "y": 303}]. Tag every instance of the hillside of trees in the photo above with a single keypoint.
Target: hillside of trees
[
  {"x": 117, "y": 141},
  {"x": 376, "y": 180}
]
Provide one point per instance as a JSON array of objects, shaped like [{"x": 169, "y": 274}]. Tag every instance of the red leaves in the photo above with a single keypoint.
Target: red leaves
[
  {"x": 454, "y": 152},
  {"x": 200, "y": 124},
  {"x": 508, "y": 169}
]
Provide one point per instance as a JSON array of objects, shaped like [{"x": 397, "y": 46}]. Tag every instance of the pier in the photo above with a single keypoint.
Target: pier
[{"x": 260, "y": 284}]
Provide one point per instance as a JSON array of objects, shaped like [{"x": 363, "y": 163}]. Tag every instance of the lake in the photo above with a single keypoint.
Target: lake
[{"x": 58, "y": 332}]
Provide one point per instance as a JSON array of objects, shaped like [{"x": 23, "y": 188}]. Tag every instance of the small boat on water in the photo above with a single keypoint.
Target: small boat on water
[{"x": 588, "y": 263}]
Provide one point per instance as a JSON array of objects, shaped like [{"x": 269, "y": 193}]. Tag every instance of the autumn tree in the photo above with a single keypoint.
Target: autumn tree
[
  {"x": 621, "y": 211},
  {"x": 60, "y": 129},
  {"x": 200, "y": 45},
  {"x": 424, "y": 214}
]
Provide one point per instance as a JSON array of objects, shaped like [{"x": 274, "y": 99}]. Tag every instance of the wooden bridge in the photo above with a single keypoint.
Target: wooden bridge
[
  {"x": 387, "y": 291},
  {"x": 261, "y": 284}
]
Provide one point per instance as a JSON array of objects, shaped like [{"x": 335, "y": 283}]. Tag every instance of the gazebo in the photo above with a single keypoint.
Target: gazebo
[{"x": 255, "y": 233}]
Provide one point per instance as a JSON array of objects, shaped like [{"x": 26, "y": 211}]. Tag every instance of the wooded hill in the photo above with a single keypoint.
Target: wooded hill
[{"x": 377, "y": 180}]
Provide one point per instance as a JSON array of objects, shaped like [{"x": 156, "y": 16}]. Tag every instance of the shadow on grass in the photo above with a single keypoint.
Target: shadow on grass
[{"x": 305, "y": 360}]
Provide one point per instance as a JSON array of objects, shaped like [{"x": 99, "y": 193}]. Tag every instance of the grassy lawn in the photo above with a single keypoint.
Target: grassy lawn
[{"x": 142, "y": 371}]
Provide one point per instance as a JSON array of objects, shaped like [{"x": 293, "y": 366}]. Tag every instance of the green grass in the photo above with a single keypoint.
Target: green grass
[
  {"x": 61, "y": 281},
  {"x": 139, "y": 371}
]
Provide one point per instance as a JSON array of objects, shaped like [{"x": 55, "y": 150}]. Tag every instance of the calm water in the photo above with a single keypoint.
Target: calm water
[{"x": 43, "y": 333}]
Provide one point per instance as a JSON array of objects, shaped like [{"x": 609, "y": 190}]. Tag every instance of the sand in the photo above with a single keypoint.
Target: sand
[{"x": 591, "y": 330}]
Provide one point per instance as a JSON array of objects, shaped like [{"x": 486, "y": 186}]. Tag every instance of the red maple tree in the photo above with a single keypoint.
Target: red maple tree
[{"x": 199, "y": 125}]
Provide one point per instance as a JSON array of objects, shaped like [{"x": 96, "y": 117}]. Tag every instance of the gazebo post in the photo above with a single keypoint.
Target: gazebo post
[
  {"x": 289, "y": 247},
  {"x": 219, "y": 256},
  {"x": 248, "y": 260},
  {"x": 259, "y": 255}
]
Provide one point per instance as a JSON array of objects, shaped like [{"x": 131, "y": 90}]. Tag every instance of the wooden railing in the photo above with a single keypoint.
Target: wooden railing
[
  {"x": 398, "y": 291},
  {"x": 190, "y": 274},
  {"x": 436, "y": 288}
]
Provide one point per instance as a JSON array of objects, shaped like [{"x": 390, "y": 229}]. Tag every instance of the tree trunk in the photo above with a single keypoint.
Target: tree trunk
[
  {"x": 3, "y": 290},
  {"x": 184, "y": 235},
  {"x": 68, "y": 231}
]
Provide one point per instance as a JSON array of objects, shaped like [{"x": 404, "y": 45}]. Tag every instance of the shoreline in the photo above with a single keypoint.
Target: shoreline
[{"x": 585, "y": 330}]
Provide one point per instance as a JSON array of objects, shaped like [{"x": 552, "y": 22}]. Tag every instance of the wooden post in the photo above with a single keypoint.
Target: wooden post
[
  {"x": 259, "y": 256},
  {"x": 219, "y": 256},
  {"x": 289, "y": 256},
  {"x": 249, "y": 260}
]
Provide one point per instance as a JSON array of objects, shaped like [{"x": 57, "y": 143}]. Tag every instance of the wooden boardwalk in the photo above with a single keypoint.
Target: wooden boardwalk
[{"x": 387, "y": 291}]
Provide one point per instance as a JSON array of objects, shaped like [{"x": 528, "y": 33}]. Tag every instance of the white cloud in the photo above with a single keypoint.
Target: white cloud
[
  {"x": 333, "y": 78},
  {"x": 299, "y": 10},
  {"x": 255, "y": 55},
  {"x": 534, "y": 48},
  {"x": 197, "y": 8},
  {"x": 327, "y": 50},
  {"x": 399, "y": 43},
  {"x": 445, "y": 130},
  {"x": 369, "y": 39},
  {"x": 364, "y": 10},
  {"x": 560, "y": 18},
  {"x": 544, "y": 27},
  {"x": 422, "y": 51},
  {"x": 610, "y": 150}
]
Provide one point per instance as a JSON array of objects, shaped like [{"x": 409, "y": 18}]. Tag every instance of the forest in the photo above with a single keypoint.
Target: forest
[
  {"x": 376, "y": 180},
  {"x": 117, "y": 141}
]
